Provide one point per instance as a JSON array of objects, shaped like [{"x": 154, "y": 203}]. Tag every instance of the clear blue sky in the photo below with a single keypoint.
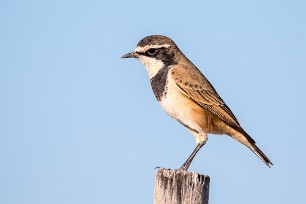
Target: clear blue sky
[{"x": 80, "y": 125}]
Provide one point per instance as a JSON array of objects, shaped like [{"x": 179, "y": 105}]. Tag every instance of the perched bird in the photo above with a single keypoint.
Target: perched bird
[{"x": 187, "y": 96}]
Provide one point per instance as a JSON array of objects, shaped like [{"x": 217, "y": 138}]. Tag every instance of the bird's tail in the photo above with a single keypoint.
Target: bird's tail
[
  {"x": 261, "y": 155},
  {"x": 245, "y": 139}
]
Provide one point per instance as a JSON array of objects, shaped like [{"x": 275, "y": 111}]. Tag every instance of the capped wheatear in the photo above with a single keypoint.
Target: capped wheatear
[{"x": 187, "y": 96}]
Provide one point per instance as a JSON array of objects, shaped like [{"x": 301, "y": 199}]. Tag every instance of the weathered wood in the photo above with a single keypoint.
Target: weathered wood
[{"x": 180, "y": 187}]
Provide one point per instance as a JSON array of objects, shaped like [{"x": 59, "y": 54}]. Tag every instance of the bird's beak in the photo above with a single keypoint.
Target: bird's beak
[{"x": 130, "y": 55}]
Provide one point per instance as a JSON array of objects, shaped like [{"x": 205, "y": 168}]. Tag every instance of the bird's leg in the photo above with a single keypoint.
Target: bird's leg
[{"x": 187, "y": 163}]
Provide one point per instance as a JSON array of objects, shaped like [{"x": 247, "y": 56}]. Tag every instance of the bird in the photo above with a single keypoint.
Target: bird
[{"x": 187, "y": 96}]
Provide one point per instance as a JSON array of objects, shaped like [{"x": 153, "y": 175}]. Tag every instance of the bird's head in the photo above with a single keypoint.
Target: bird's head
[{"x": 155, "y": 52}]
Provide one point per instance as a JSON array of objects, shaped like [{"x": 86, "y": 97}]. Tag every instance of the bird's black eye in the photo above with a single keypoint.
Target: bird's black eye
[{"x": 151, "y": 51}]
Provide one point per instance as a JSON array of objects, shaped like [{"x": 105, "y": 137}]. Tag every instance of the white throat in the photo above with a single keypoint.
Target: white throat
[{"x": 152, "y": 65}]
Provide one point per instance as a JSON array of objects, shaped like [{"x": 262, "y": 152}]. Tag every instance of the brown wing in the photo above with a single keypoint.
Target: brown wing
[{"x": 195, "y": 85}]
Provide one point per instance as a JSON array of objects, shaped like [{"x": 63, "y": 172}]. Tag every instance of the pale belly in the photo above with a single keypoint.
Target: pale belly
[{"x": 182, "y": 109}]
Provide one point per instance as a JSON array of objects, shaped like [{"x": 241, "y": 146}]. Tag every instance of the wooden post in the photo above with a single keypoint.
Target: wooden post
[{"x": 180, "y": 187}]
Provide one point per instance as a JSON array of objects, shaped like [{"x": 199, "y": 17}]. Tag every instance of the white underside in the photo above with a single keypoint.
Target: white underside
[{"x": 181, "y": 110}]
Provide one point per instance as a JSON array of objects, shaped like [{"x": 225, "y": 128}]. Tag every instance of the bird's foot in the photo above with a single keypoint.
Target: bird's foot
[
  {"x": 160, "y": 167},
  {"x": 182, "y": 168}
]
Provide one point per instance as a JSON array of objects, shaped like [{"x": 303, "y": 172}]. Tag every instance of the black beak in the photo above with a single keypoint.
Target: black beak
[{"x": 130, "y": 55}]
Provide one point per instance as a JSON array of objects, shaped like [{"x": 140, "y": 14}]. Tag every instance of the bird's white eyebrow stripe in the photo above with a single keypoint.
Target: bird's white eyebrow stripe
[{"x": 147, "y": 47}]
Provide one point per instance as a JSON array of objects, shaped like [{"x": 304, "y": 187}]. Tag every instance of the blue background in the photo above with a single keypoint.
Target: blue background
[{"x": 80, "y": 125}]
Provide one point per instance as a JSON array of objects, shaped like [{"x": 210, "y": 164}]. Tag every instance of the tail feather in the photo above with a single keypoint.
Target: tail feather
[
  {"x": 261, "y": 155},
  {"x": 246, "y": 139}
]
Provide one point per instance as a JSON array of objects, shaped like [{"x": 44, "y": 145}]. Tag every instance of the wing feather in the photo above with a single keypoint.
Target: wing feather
[{"x": 199, "y": 89}]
